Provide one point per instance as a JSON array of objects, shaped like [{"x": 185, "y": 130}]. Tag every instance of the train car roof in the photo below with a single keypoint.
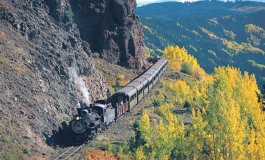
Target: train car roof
[
  {"x": 142, "y": 80},
  {"x": 151, "y": 71},
  {"x": 157, "y": 65},
  {"x": 127, "y": 91},
  {"x": 147, "y": 76},
  {"x": 164, "y": 60},
  {"x": 135, "y": 84}
]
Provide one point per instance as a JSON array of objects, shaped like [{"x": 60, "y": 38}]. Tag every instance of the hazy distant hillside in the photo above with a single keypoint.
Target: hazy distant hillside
[{"x": 216, "y": 33}]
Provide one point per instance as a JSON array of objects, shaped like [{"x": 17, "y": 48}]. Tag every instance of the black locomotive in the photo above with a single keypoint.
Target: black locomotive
[{"x": 98, "y": 116}]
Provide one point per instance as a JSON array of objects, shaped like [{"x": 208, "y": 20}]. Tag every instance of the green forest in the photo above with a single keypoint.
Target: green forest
[{"x": 216, "y": 33}]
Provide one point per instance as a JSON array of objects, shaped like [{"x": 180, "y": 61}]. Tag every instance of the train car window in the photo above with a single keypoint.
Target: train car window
[
  {"x": 141, "y": 90},
  {"x": 133, "y": 97}
]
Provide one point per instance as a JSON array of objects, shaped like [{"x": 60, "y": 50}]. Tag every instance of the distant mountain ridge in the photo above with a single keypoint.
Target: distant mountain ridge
[{"x": 216, "y": 33}]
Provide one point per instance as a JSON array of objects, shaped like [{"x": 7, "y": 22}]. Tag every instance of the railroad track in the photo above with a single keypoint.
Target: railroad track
[{"x": 69, "y": 153}]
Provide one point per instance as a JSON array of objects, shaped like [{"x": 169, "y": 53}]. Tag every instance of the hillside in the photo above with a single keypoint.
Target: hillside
[{"x": 216, "y": 33}]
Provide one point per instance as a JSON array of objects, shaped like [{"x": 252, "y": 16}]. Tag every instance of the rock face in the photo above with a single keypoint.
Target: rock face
[
  {"x": 39, "y": 41},
  {"x": 112, "y": 29}
]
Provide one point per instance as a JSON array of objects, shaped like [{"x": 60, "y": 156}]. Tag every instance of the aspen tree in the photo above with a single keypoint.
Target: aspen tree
[
  {"x": 139, "y": 154},
  {"x": 144, "y": 127},
  {"x": 197, "y": 136}
]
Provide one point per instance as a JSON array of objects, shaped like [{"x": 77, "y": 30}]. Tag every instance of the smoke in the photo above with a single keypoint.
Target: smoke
[{"x": 80, "y": 85}]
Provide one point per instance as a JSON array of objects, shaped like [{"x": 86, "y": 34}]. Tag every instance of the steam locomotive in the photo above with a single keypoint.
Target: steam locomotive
[{"x": 96, "y": 117}]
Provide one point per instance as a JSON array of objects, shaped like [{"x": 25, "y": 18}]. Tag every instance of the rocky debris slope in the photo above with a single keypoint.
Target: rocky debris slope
[{"x": 37, "y": 92}]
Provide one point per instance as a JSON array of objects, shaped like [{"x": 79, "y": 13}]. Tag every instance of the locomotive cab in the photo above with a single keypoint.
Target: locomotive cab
[{"x": 106, "y": 112}]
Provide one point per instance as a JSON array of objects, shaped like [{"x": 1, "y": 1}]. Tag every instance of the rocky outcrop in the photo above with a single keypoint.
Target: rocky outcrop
[{"x": 112, "y": 29}]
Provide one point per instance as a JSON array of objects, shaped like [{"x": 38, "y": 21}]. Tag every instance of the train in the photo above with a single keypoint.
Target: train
[{"x": 97, "y": 116}]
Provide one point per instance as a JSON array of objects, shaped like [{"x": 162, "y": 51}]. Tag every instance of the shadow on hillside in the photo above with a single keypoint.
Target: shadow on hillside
[
  {"x": 64, "y": 137},
  {"x": 179, "y": 111}
]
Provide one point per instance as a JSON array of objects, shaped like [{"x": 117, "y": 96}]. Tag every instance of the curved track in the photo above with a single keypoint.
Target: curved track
[{"x": 69, "y": 153}]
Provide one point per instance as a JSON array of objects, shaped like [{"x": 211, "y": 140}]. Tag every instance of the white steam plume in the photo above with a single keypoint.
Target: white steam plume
[{"x": 80, "y": 85}]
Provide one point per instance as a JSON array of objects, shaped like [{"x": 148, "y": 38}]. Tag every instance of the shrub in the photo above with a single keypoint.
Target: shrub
[
  {"x": 156, "y": 103},
  {"x": 136, "y": 124},
  {"x": 96, "y": 55},
  {"x": 118, "y": 84},
  {"x": 25, "y": 150},
  {"x": 121, "y": 77},
  {"x": 187, "y": 105},
  {"x": 187, "y": 68},
  {"x": 2, "y": 35},
  {"x": 69, "y": 16}
]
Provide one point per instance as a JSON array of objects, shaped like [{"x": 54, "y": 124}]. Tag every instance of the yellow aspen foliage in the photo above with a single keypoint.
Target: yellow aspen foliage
[
  {"x": 180, "y": 60},
  {"x": 252, "y": 149},
  {"x": 175, "y": 65},
  {"x": 144, "y": 127},
  {"x": 198, "y": 72},
  {"x": 162, "y": 137},
  {"x": 198, "y": 136},
  {"x": 182, "y": 91},
  {"x": 121, "y": 77},
  {"x": 233, "y": 109},
  {"x": 139, "y": 154},
  {"x": 122, "y": 80},
  {"x": 197, "y": 101},
  {"x": 235, "y": 134},
  {"x": 164, "y": 111},
  {"x": 167, "y": 134},
  {"x": 227, "y": 121},
  {"x": 207, "y": 80}
]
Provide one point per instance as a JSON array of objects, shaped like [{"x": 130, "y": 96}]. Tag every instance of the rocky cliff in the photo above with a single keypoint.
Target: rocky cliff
[
  {"x": 46, "y": 65},
  {"x": 112, "y": 29}
]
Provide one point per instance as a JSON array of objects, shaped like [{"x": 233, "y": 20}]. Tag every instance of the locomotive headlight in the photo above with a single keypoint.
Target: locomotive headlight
[{"x": 77, "y": 118}]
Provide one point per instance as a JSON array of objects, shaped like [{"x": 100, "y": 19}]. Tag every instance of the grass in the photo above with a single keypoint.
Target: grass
[
  {"x": 9, "y": 148},
  {"x": 69, "y": 16},
  {"x": 14, "y": 61},
  {"x": 101, "y": 138}
]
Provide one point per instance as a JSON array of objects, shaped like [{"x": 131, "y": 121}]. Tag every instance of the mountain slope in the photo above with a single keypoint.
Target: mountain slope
[{"x": 216, "y": 33}]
